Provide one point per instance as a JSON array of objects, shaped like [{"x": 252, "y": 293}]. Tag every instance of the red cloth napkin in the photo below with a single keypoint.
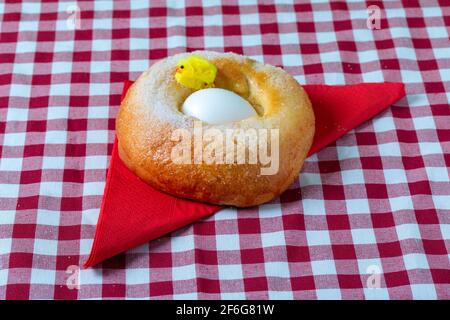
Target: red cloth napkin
[{"x": 133, "y": 213}]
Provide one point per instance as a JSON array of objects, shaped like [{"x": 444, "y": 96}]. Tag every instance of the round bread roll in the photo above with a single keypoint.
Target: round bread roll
[{"x": 151, "y": 127}]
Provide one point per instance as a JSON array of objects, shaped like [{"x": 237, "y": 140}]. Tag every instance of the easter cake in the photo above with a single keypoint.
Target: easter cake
[{"x": 216, "y": 127}]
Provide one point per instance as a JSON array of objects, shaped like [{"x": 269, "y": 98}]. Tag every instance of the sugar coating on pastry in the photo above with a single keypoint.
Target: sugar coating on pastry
[{"x": 151, "y": 113}]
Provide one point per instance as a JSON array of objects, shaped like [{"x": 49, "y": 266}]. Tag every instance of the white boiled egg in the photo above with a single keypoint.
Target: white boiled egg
[{"x": 217, "y": 106}]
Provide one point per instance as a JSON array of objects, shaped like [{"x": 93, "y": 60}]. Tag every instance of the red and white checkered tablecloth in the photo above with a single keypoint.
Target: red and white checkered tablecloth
[{"x": 370, "y": 217}]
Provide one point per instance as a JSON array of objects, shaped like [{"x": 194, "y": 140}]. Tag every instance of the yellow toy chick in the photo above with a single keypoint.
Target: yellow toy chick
[{"x": 196, "y": 73}]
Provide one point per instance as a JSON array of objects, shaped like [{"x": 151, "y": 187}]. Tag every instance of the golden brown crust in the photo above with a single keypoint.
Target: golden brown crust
[{"x": 150, "y": 113}]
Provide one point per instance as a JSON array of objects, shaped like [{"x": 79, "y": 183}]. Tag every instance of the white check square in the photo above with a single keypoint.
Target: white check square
[
  {"x": 184, "y": 272},
  {"x": 182, "y": 243},
  {"x": 321, "y": 267},
  {"x": 394, "y": 176},
  {"x": 334, "y": 78},
  {"x": 23, "y": 68},
  {"x": 56, "y": 137},
  {"x": 135, "y": 276},
  {"x": 352, "y": 176},
  {"x": 320, "y": 16},
  {"x": 45, "y": 247},
  {"x": 401, "y": 203},
  {"x": 139, "y": 44},
  {"x": 212, "y": 20},
  {"x": 391, "y": 149},
  {"x": 97, "y": 136},
  {"x": 62, "y": 89},
  {"x": 233, "y": 296},
  {"x": 441, "y": 53},
  {"x": 99, "y": 89},
  {"x": 43, "y": 276},
  {"x": 95, "y": 162},
  {"x": 399, "y": 32},
  {"x": 47, "y": 217},
  {"x": 363, "y": 236},
  {"x": 270, "y": 210},
  {"x": 286, "y": 17},
  {"x": 424, "y": 291},
  {"x": 25, "y": 46},
  {"x": 376, "y": 294},
  {"x": 421, "y": 123},
  {"x": 59, "y": 67},
  {"x": 272, "y": 239},
  {"x": 358, "y": 14},
  {"x": 31, "y": 7},
  {"x": 431, "y": 11},
  {"x": 90, "y": 276},
  {"x": 57, "y": 113},
  {"x": 5, "y": 244},
  {"x": 318, "y": 237},
  {"x": 9, "y": 190},
  {"x": 3, "y": 272},
  {"x": 326, "y": 37},
  {"x": 382, "y": 124},
  {"x": 11, "y": 164},
  {"x": 313, "y": 207},
  {"x": 249, "y": 18},
  {"x": 51, "y": 189},
  {"x": 445, "y": 75},
  {"x": 411, "y": 76},
  {"x": 7, "y": 217},
  {"x": 227, "y": 242},
  {"x": 20, "y": 90},
  {"x": 29, "y": 26},
  {"x": 347, "y": 152},
  {"x": 395, "y": 13},
  {"x": 405, "y": 52},
  {"x": 136, "y": 5},
  {"x": 437, "y": 174},
  {"x": 53, "y": 162},
  {"x": 374, "y": 76},
  {"x": 441, "y": 202},
  {"x": 357, "y": 206},
  {"x": 364, "y": 34},
  {"x": 176, "y": 42},
  {"x": 277, "y": 269},
  {"x": 63, "y": 46},
  {"x": 310, "y": 179},
  {"x": 288, "y": 38},
  {"x": 226, "y": 214},
  {"x": 417, "y": 100},
  {"x": 103, "y": 6},
  {"x": 445, "y": 230},
  {"x": 230, "y": 271},
  {"x": 367, "y": 56},
  {"x": 98, "y": 112},
  {"x": 290, "y": 60},
  {"x": 14, "y": 139},
  {"x": 415, "y": 261},
  {"x": 101, "y": 45},
  {"x": 252, "y": 40},
  {"x": 328, "y": 294},
  {"x": 427, "y": 148},
  {"x": 93, "y": 188},
  {"x": 176, "y": 21},
  {"x": 437, "y": 32},
  {"x": 213, "y": 41},
  {"x": 408, "y": 231}
]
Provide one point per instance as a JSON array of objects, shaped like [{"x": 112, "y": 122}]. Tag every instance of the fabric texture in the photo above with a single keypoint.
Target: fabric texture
[
  {"x": 370, "y": 217},
  {"x": 133, "y": 212}
]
